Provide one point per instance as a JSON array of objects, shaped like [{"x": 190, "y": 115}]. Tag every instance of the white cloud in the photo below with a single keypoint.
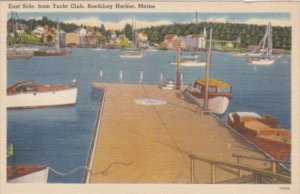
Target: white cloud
[
  {"x": 274, "y": 22},
  {"x": 93, "y": 21}
]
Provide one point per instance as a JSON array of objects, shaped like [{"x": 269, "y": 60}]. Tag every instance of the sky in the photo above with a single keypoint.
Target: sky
[{"x": 118, "y": 20}]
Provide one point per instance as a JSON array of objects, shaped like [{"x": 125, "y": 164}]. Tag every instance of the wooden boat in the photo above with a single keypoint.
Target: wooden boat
[
  {"x": 28, "y": 94},
  {"x": 219, "y": 94},
  {"x": 189, "y": 61},
  {"x": 27, "y": 174},
  {"x": 265, "y": 132},
  {"x": 53, "y": 52}
]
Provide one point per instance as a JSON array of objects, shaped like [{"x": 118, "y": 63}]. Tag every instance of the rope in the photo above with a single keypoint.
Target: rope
[
  {"x": 104, "y": 172},
  {"x": 69, "y": 172}
]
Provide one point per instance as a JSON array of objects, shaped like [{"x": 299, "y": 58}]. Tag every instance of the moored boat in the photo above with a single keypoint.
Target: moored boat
[
  {"x": 167, "y": 85},
  {"x": 265, "y": 132},
  {"x": 132, "y": 55},
  {"x": 53, "y": 52},
  {"x": 19, "y": 55},
  {"x": 27, "y": 174},
  {"x": 264, "y": 57},
  {"x": 28, "y": 94},
  {"x": 189, "y": 61},
  {"x": 219, "y": 94}
]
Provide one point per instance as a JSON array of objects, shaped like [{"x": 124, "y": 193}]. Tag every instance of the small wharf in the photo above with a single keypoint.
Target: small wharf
[{"x": 136, "y": 143}]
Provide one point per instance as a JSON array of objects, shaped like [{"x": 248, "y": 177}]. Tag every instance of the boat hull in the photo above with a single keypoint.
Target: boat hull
[
  {"x": 191, "y": 64},
  {"x": 54, "y": 53},
  {"x": 278, "y": 150},
  {"x": 42, "y": 99},
  {"x": 19, "y": 56},
  {"x": 31, "y": 174},
  {"x": 131, "y": 57},
  {"x": 262, "y": 62},
  {"x": 217, "y": 104}
]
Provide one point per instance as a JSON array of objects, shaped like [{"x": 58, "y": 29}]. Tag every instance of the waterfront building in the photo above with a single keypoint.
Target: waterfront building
[
  {"x": 73, "y": 38},
  {"x": 38, "y": 31}
]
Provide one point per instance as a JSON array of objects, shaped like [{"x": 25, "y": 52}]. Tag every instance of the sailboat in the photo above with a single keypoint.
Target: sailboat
[
  {"x": 14, "y": 52},
  {"x": 132, "y": 53},
  {"x": 57, "y": 51},
  {"x": 210, "y": 94},
  {"x": 265, "y": 55}
]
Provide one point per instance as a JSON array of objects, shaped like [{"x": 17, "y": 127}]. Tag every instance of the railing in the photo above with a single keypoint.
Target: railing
[
  {"x": 273, "y": 162},
  {"x": 258, "y": 173}
]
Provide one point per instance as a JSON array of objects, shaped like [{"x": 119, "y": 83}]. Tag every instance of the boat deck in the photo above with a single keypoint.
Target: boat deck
[{"x": 151, "y": 144}]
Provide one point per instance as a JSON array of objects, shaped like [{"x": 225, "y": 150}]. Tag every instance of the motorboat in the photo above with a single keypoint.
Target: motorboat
[
  {"x": 219, "y": 94},
  {"x": 264, "y": 131},
  {"x": 28, "y": 94},
  {"x": 167, "y": 85}
]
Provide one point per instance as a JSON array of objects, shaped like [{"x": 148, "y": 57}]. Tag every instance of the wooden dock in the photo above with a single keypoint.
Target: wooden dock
[{"x": 151, "y": 144}]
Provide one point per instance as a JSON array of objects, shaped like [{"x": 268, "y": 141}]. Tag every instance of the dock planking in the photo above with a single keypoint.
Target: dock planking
[{"x": 151, "y": 144}]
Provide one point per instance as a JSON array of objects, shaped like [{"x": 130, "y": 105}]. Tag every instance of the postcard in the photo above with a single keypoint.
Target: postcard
[{"x": 149, "y": 97}]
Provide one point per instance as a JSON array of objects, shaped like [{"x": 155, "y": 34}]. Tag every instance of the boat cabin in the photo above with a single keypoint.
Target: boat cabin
[
  {"x": 215, "y": 86},
  {"x": 20, "y": 87}
]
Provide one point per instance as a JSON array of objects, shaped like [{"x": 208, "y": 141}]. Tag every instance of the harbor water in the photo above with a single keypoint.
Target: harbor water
[{"x": 61, "y": 137}]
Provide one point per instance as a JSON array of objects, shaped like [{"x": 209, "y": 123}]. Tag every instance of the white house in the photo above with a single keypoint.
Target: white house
[{"x": 38, "y": 31}]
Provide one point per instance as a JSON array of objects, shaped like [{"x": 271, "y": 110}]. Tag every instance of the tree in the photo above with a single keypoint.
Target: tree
[{"x": 128, "y": 32}]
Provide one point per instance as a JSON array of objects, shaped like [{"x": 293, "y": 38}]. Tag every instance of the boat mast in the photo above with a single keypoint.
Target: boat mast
[
  {"x": 178, "y": 82},
  {"x": 57, "y": 34},
  {"x": 207, "y": 72},
  {"x": 270, "y": 44}
]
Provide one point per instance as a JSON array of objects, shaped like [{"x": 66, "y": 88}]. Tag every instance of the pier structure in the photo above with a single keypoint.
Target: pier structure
[{"x": 140, "y": 141}]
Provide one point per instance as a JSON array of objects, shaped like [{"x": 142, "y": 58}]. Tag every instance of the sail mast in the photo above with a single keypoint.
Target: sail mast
[{"x": 57, "y": 34}]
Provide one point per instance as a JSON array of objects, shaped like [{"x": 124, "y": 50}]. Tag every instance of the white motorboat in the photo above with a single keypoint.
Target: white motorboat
[{"x": 28, "y": 94}]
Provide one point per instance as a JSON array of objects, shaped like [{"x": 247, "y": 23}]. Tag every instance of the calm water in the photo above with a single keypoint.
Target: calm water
[{"x": 61, "y": 137}]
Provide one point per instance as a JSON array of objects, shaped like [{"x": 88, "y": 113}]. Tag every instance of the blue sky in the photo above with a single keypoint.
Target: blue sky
[{"x": 114, "y": 20}]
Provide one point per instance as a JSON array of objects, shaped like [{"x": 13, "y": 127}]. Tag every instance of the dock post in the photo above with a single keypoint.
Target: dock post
[
  {"x": 239, "y": 161},
  {"x": 141, "y": 77},
  {"x": 161, "y": 78},
  {"x": 181, "y": 80},
  {"x": 274, "y": 167},
  {"x": 213, "y": 173},
  {"x": 192, "y": 170},
  {"x": 101, "y": 75},
  {"x": 121, "y": 76}
]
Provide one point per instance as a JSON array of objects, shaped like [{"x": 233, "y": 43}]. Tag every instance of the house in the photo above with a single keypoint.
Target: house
[
  {"x": 195, "y": 41},
  {"x": 170, "y": 41},
  {"x": 49, "y": 37},
  {"x": 142, "y": 37},
  {"x": 38, "y": 31},
  {"x": 73, "y": 39}
]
